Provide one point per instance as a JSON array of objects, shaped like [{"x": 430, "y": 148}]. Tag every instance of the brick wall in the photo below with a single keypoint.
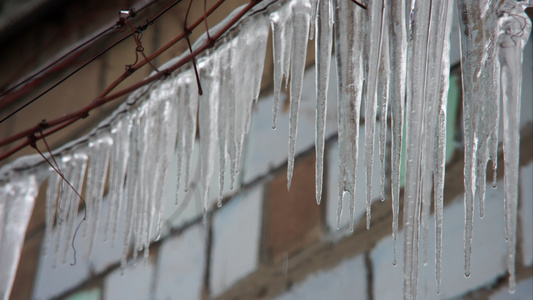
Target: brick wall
[{"x": 266, "y": 242}]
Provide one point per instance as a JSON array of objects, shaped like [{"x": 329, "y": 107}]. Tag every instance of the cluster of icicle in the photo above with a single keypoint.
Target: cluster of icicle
[{"x": 393, "y": 54}]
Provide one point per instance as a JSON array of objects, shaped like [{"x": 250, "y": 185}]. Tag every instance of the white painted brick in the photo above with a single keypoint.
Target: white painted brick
[
  {"x": 135, "y": 283},
  {"x": 360, "y": 189},
  {"x": 523, "y": 291},
  {"x": 489, "y": 254},
  {"x": 181, "y": 265},
  {"x": 267, "y": 148},
  {"x": 235, "y": 241},
  {"x": 526, "y": 213},
  {"x": 346, "y": 281}
]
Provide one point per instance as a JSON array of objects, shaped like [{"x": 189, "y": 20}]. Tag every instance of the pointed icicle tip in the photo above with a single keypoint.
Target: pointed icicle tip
[{"x": 494, "y": 178}]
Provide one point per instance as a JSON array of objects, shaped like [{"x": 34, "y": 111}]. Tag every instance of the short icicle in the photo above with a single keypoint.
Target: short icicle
[
  {"x": 52, "y": 193},
  {"x": 281, "y": 44},
  {"x": 100, "y": 152}
]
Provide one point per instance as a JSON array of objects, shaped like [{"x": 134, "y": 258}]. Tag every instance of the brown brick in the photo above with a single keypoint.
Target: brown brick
[{"x": 294, "y": 219}]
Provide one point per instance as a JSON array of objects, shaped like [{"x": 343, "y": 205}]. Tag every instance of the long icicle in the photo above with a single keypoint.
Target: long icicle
[
  {"x": 348, "y": 46},
  {"x": 398, "y": 65},
  {"x": 514, "y": 27},
  {"x": 439, "y": 156},
  {"x": 323, "y": 45},
  {"x": 384, "y": 77},
  {"x": 301, "y": 13},
  {"x": 481, "y": 91},
  {"x": 372, "y": 52},
  {"x": 419, "y": 17}
]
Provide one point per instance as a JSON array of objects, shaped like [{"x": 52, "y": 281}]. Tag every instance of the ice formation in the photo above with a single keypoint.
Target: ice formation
[
  {"x": 394, "y": 53},
  {"x": 17, "y": 197}
]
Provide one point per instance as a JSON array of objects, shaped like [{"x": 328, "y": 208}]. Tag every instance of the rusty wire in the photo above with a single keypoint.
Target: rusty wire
[{"x": 46, "y": 128}]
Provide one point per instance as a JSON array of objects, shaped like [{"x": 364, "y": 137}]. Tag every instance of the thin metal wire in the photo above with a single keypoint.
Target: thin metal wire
[
  {"x": 120, "y": 23},
  {"x": 62, "y": 122}
]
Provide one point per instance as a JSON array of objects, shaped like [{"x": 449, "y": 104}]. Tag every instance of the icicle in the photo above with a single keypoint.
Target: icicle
[
  {"x": 323, "y": 45},
  {"x": 164, "y": 112},
  {"x": 231, "y": 110},
  {"x": 78, "y": 165},
  {"x": 130, "y": 188},
  {"x": 190, "y": 96},
  {"x": 349, "y": 19},
  {"x": 182, "y": 90},
  {"x": 209, "y": 69},
  {"x": 151, "y": 137},
  {"x": 258, "y": 32},
  {"x": 117, "y": 171},
  {"x": 301, "y": 10},
  {"x": 372, "y": 51},
  {"x": 481, "y": 90},
  {"x": 383, "y": 96},
  {"x": 17, "y": 197},
  {"x": 52, "y": 193},
  {"x": 419, "y": 28},
  {"x": 514, "y": 30},
  {"x": 252, "y": 40},
  {"x": 434, "y": 76},
  {"x": 224, "y": 55},
  {"x": 100, "y": 150},
  {"x": 313, "y": 18},
  {"x": 398, "y": 65},
  {"x": 281, "y": 43},
  {"x": 62, "y": 203},
  {"x": 444, "y": 11}
]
